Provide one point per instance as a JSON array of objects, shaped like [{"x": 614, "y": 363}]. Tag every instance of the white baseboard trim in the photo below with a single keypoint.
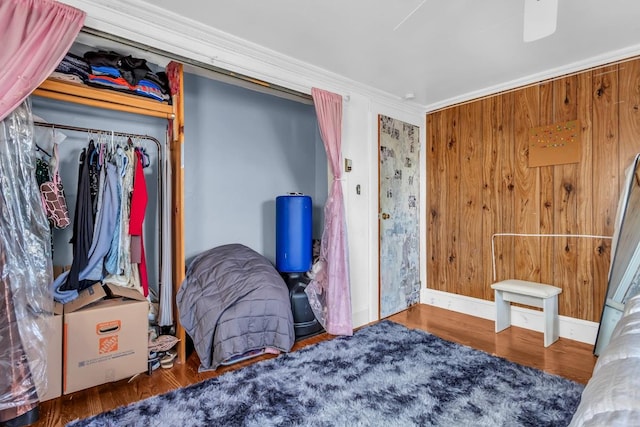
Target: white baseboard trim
[{"x": 571, "y": 328}]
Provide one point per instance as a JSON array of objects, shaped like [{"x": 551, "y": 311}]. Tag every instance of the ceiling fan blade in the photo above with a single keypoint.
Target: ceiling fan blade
[{"x": 540, "y": 18}]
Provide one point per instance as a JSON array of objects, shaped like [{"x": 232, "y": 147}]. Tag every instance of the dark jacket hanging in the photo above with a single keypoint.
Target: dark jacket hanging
[{"x": 82, "y": 222}]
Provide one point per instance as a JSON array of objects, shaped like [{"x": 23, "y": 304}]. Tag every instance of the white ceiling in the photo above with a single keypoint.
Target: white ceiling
[{"x": 447, "y": 51}]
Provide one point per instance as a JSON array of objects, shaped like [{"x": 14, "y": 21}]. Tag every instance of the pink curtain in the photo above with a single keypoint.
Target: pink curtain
[
  {"x": 330, "y": 291},
  {"x": 35, "y": 34}
]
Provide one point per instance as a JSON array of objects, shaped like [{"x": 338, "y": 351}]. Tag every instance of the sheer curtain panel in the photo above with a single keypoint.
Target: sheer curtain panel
[
  {"x": 35, "y": 34},
  {"x": 330, "y": 291}
]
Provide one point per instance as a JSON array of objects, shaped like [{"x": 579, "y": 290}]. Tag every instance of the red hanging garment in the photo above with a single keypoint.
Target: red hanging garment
[{"x": 138, "y": 207}]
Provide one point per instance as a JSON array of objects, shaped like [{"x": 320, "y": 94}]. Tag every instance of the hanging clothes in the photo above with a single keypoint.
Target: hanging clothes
[
  {"x": 94, "y": 177},
  {"x": 110, "y": 211},
  {"x": 125, "y": 237},
  {"x": 165, "y": 311},
  {"x": 139, "y": 200},
  {"x": 42, "y": 172},
  {"x": 112, "y": 262},
  {"x": 43, "y": 175},
  {"x": 106, "y": 220},
  {"x": 82, "y": 223},
  {"x": 105, "y": 228},
  {"x": 119, "y": 258}
]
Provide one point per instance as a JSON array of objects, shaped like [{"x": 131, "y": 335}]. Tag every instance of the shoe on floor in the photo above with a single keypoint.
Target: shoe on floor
[{"x": 167, "y": 360}]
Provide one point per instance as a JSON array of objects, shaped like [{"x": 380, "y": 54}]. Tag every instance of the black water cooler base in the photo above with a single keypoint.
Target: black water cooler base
[{"x": 305, "y": 323}]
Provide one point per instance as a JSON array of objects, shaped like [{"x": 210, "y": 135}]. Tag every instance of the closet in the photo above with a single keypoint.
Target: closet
[
  {"x": 273, "y": 141},
  {"x": 174, "y": 114}
]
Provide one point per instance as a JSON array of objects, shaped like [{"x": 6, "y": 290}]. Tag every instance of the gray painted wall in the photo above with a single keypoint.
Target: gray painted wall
[{"x": 242, "y": 150}]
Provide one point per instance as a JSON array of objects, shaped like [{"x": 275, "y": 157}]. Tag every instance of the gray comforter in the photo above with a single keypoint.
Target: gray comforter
[{"x": 233, "y": 301}]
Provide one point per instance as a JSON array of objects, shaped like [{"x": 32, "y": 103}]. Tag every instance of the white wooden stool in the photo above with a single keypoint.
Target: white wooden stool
[{"x": 528, "y": 293}]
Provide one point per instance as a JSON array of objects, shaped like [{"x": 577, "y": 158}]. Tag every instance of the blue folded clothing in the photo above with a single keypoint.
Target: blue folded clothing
[{"x": 103, "y": 70}]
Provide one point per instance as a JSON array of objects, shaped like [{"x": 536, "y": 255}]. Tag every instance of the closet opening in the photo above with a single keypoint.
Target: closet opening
[
  {"x": 246, "y": 142},
  {"x": 260, "y": 140}
]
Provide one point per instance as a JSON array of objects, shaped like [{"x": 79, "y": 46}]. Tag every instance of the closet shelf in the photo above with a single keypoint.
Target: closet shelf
[{"x": 103, "y": 98}]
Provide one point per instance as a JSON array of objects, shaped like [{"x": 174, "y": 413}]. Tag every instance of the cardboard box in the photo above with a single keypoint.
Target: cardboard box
[
  {"x": 105, "y": 336},
  {"x": 52, "y": 325}
]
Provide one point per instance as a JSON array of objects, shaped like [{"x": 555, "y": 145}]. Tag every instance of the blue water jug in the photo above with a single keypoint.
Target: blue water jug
[{"x": 293, "y": 233}]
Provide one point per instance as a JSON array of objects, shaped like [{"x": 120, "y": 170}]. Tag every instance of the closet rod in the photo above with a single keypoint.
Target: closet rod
[
  {"x": 109, "y": 132},
  {"x": 160, "y": 175}
]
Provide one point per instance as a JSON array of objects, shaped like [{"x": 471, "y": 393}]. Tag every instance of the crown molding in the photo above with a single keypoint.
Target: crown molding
[
  {"x": 573, "y": 68},
  {"x": 151, "y": 25}
]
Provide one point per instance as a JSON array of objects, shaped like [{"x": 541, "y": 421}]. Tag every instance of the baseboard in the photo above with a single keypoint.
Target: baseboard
[{"x": 571, "y": 328}]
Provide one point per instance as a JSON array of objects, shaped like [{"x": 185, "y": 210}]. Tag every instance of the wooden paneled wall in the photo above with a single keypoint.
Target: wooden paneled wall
[{"x": 479, "y": 183}]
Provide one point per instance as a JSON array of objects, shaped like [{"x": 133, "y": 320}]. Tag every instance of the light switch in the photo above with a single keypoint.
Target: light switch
[{"x": 347, "y": 165}]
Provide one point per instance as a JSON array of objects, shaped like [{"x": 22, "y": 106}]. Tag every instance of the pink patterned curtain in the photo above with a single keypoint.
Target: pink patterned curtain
[
  {"x": 330, "y": 291},
  {"x": 35, "y": 34}
]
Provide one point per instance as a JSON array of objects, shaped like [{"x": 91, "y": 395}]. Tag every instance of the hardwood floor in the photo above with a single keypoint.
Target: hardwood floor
[{"x": 570, "y": 359}]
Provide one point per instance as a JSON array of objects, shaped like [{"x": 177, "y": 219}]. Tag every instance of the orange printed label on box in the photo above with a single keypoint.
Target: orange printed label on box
[
  {"x": 108, "y": 344},
  {"x": 108, "y": 327}
]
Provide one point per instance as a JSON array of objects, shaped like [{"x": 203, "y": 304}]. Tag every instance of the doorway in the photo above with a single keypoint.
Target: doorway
[{"x": 398, "y": 215}]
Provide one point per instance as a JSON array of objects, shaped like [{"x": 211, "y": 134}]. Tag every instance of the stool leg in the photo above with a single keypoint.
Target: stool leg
[
  {"x": 551, "y": 326},
  {"x": 503, "y": 312}
]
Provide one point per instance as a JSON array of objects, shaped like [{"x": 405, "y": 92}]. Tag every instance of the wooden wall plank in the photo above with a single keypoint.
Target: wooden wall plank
[
  {"x": 527, "y": 186},
  {"x": 505, "y": 190},
  {"x": 436, "y": 196},
  {"x": 547, "y": 247},
  {"x": 565, "y": 202},
  {"x": 605, "y": 155},
  {"x": 491, "y": 127},
  {"x": 452, "y": 209},
  {"x": 471, "y": 245},
  {"x": 586, "y": 247}
]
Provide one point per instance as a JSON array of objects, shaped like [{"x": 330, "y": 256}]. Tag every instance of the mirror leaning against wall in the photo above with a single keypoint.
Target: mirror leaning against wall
[{"x": 624, "y": 272}]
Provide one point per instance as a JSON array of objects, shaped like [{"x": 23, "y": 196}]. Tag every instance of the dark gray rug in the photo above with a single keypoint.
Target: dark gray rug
[{"x": 385, "y": 375}]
